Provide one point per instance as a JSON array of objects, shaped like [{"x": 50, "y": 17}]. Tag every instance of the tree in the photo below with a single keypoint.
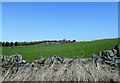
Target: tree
[
  {"x": 7, "y": 44},
  {"x": 11, "y": 44},
  {"x": 0, "y": 43},
  {"x": 74, "y": 40},
  {"x": 15, "y": 44},
  {"x": 3, "y": 43}
]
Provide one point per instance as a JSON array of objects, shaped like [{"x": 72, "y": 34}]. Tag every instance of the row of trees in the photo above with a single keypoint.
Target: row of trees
[
  {"x": 36, "y": 42},
  {"x": 9, "y": 44}
]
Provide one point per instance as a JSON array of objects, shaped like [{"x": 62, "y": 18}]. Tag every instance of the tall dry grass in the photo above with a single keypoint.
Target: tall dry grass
[{"x": 76, "y": 70}]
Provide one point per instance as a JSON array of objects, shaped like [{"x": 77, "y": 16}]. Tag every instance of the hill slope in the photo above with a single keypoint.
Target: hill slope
[{"x": 72, "y": 50}]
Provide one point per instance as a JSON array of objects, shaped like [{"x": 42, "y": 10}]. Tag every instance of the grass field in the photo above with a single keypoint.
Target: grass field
[
  {"x": 72, "y": 50},
  {"x": 0, "y": 50}
]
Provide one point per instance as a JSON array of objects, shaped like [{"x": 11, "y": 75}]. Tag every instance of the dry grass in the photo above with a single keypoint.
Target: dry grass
[{"x": 77, "y": 70}]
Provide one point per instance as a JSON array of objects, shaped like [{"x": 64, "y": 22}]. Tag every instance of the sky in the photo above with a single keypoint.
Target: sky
[
  {"x": 82, "y": 21},
  {"x": 0, "y": 21},
  {"x": 60, "y": 0}
]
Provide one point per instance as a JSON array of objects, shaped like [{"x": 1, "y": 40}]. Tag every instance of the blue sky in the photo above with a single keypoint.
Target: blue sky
[
  {"x": 0, "y": 21},
  {"x": 25, "y": 21}
]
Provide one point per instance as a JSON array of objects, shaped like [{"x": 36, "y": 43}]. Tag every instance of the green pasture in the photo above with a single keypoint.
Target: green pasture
[{"x": 72, "y": 50}]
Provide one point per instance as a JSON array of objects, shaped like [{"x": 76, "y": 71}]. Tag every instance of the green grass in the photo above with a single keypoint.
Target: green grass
[
  {"x": 73, "y": 50},
  {"x": 0, "y": 50}
]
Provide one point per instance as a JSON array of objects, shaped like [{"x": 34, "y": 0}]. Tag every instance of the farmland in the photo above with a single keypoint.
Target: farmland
[{"x": 69, "y": 50}]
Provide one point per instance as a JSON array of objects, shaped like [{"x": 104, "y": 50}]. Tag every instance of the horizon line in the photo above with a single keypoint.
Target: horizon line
[{"x": 56, "y": 40}]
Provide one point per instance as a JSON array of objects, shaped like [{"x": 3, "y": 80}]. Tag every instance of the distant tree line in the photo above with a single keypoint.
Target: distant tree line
[
  {"x": 36, "y": 42},
  {"x": 9, "y": 44}
]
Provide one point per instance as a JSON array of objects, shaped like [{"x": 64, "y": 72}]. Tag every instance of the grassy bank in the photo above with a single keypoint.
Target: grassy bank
[{"x": 72, "y": 50}]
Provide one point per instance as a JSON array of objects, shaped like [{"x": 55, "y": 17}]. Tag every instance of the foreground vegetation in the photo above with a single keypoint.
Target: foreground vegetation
[{"x": 69, "y": 50}]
